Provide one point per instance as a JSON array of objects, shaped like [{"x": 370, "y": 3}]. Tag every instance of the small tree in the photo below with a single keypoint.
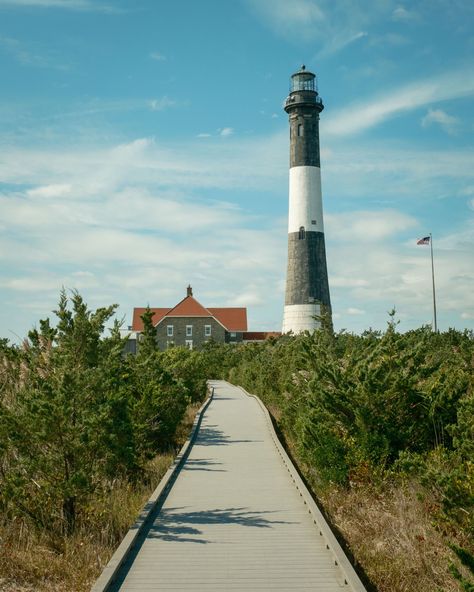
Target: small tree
[
  {"x": 67, "y": 427},
  {"x": 148, "y": 343}
]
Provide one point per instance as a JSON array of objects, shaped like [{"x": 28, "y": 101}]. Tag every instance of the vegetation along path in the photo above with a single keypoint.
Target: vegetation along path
[{"x": 237, "y": 517}]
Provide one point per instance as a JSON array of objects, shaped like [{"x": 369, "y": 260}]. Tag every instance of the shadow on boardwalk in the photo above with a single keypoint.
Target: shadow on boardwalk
[
  {"x": 178, "y": 525},
  {"x": 202, "y": 464},
  {"x": 211, "y": 435}
]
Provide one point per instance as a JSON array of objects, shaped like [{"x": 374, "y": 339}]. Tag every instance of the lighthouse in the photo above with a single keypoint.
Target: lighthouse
[{"x": 307, "y": 288}]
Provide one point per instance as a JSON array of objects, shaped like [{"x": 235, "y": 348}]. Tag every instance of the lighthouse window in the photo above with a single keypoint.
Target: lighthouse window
[
  {"x": 301, "y": 233},
  {"x": 300, "y": 129}
]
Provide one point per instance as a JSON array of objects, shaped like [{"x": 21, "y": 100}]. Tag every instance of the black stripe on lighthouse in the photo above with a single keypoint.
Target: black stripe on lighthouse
[{"x": 307, "y": 288}]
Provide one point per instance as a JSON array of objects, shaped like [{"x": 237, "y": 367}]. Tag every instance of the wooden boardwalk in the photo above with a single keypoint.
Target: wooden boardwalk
[{"x": 234, "y": 518}]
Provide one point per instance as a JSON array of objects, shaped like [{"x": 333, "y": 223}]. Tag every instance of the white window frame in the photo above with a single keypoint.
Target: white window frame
[
  {"x": 189, "y": 343},
  {"x": 189, "y": 330},
  {"x": 207, "y": 330},
  {"x": 169, "y": 330}
]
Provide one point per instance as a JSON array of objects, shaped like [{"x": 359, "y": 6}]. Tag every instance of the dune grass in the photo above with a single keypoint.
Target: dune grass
[{"x": 35, "y": 561}]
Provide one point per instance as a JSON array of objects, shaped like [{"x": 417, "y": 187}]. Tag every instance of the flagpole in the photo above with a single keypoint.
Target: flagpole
[{"x": 433, "y": 279}]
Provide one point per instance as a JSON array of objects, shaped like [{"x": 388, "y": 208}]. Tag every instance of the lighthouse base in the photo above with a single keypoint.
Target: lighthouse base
[{"x": 301, "y": 317}]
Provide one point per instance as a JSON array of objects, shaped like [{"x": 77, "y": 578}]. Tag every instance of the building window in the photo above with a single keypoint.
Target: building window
[
  {"x": 169, "y": 331},
  {"x": 301, "y": 233},
  {"x": 233, "y": 335},
  {"x": 300, "y": 129},
  {"x": 207, "y": 330},
  {"x": 189, "y": 330},
  {"x": 169, "y": 344},
  {"x": 189, "y": 343}
]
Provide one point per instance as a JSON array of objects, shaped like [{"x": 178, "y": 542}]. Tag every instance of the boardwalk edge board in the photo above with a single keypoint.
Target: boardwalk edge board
[
  {"x": 351, "y": 579},
  {"x": 157, "y": 498}
]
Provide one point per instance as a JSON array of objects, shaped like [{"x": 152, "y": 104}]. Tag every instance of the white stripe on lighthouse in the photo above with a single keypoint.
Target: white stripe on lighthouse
[
  {"x": 306, "y": 208},
  {"x": 300, "y": 317}
]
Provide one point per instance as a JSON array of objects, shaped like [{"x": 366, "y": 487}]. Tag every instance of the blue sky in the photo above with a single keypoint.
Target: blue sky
[{"x": 143, "y": 147}]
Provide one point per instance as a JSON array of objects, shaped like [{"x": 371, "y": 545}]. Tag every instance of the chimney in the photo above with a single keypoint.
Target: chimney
[{"x": 189, "y": 291}]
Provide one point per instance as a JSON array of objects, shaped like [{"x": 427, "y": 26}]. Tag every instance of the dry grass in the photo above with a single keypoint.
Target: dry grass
[
  {"x": 396, "y": 531},
  {"x": 392, "y": 532},
  {"x": 184, "y": 428},
  {"x": 30, "y": 563},
  {"x": 36, "y": 562}
]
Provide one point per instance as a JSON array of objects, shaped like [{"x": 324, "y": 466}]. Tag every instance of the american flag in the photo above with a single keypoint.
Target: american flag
[{"x": 423, "y": 241}]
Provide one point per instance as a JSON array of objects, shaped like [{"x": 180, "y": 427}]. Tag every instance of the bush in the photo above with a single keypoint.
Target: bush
[
  {"x": 353, "y": 405},
  {"x": 76, "y": 416}
]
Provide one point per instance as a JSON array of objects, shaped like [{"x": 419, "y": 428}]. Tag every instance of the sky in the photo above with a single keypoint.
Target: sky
[{"x": 144, "y": 147}]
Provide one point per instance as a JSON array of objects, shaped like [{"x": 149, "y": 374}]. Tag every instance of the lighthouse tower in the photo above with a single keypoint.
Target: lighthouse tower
[{"x": 307, "y": 288}]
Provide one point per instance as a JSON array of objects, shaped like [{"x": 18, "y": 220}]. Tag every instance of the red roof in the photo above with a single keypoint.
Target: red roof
[
  {"x": 260, "y": 335},
  {"x": 189, "y": 307},
  {"x": 233, "y": 319},
  {"x": 137, "y": 323}
]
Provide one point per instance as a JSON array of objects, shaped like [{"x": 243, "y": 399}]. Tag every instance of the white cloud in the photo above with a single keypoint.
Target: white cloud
[
  {"x": 50, "y": 190},
  {"x": 226, "y": 131},
  {"x": 159, "y": 57},
  {"x": 330, "y": 26},
  {"x": 461, "y": 239},
  {"x": 129, "y": 220},
  {"x": 355, "y": 311},
  {"x": 253, "y": 297},
  {"x": 81, "y": 119},
  {"x": 440, "y": 117},
  {"x": 203, "y": 135},
  {"x": 128, "y": 204},
  {"x": 30, "y": 284},
  {"x": 361, "y": 170},
  {"x": 364, "y": 115},
  {"x": 248, "y": 162},
  {"x": 339, "y": 42},
  {"x": 80, "y": 5},
  {"x": 133, "y": 219},
  {"x": 151, "y": 211},
  {"x": 379, "y": 274},
  {"x": 300, "y": 17},
  {"x": 400, "y": 13},
  {"x": 468, "y": 190},
  {"x": 347, "y": 282},
  {"x": 161, "y": 104},
  {"x": 400, "y": 276},
  {"x": 367, "y": 226},
  {"x": 27, "y": 56}
]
